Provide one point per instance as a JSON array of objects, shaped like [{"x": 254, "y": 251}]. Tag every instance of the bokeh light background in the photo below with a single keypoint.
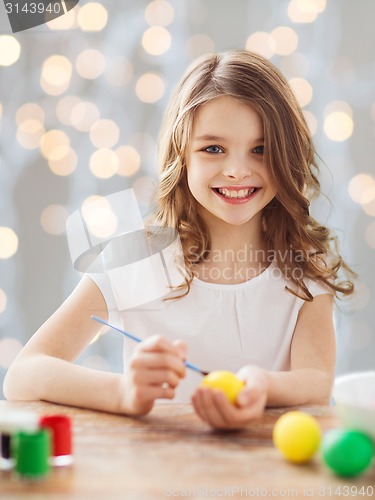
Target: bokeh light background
[{"x": 81, "y": 101}]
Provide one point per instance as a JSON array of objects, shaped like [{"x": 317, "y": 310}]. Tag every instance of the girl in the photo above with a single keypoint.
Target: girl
[{"x": 237, "y": 172}]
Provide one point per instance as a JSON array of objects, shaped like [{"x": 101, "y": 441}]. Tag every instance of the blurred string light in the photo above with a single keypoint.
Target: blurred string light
[
  {"x": 311, "y": 121},
  {"x": 83, "y": 115},
  {"x": 30, "y": 110},
  {"x": 285, "y": 40},
  {"x": 90, "y": 64},
  {"x": 54, "y": 144},
  {"x": 369, "y": 207},
  {"x": 9, "y": 349},
  {"x": 56, "y": 74},
  {"x": 10, "y": 50},
  {"x": 30, "y": 129},
  {"x": 362, "y": 190},
  {"x": 99, "y": 217},
  {"x": 55, "y": 147},
  {"x": 29, "y": 133},
  {"x": 104, "y": 163},
  {"x": 129, "y": 160},
  {"x": 64, "y": 108},
  {"x": 65, "y": 163},
  {"x": 104, "y": 133},
  {"x": 282, "y": 41},
  {"x": 302, "y": 89},
  {"x": 3, "y": 301},
  {"x": 338, "y": 121},
  {"x": 53, "y": 219},
  {"x": 262, "y": 43},
  {"x": 66, "y": 22},
  {"x": 150, "y": 88},
  {"x": 156, "y": 40},
  {"x": 305, "y": 11},
  {"x": 199, "y": 44},
  {"x": 159, "y": 13},
  {"x": 8, "y": 242},
  {"x": 92, "y": 16}
]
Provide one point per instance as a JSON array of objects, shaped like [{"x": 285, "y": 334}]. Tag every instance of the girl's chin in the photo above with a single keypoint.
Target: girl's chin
[{"x": 231, "y": 221}]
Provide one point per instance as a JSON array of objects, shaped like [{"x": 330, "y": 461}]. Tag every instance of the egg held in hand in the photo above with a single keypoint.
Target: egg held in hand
[{"x": 224, "y": 381}]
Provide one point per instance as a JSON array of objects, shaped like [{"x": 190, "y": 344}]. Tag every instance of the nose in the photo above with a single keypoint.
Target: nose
[{"x": 237, "y": 168}]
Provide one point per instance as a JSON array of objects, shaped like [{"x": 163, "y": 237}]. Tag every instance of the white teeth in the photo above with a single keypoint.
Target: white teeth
[{"x": 242, "y": 193}]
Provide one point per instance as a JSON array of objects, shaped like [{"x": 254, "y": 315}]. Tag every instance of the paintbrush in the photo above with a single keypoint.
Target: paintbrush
[{"x": 137, "y": 339}]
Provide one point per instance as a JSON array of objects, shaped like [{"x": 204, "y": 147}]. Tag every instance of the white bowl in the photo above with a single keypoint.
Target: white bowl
[{"x": 354, "y": 395}]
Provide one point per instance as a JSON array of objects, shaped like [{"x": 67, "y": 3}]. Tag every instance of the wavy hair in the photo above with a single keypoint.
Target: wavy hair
[{"x": 289, "y": 154}]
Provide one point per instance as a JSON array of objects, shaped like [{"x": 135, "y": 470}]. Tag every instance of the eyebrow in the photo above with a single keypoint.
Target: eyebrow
[{"x": 208, "y": 137}]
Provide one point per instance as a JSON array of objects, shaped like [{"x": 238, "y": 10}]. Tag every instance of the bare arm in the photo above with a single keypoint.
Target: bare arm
[
  {"x": 44, "y": 369},
  {"x": 308, "y": 382},
  {"x": 313, "y": 354}
]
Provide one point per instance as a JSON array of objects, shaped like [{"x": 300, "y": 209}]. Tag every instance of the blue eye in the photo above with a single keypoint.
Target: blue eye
[
  {"x": 213, "y": 150},
  {"x": 259, "y": 150}
]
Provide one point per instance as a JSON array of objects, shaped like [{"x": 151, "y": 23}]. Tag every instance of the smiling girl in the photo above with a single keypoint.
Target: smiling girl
[{"x": 237, "y": 173}]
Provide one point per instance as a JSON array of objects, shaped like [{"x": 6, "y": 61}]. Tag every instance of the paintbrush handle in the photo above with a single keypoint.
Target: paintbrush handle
[
  {"x": 137, "y": 339},
  {"x": 129, "y": 335}
]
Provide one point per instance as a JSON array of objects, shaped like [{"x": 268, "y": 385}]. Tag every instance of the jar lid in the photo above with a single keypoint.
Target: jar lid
[{"x": 14, "y": 421}]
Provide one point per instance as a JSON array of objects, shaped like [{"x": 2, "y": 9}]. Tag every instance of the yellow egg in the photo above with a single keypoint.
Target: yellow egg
[
  {"x": 297, "y": 435},
  {"x": 225, "y": 381}
]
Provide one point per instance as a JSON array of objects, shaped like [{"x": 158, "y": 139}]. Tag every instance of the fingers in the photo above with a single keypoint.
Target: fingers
[
  {"x": 157, "y": 353},
  {"x": 154, "y": 371},
  {"x": 139, "y": 399},
  {"x": 215, "y": 408},
  {"x": 182, "y": 348},
  {"x": 157, "y": 343},
  {"x": 158, "y": 377}
]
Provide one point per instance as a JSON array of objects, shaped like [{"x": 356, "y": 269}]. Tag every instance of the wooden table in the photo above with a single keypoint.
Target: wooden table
[{"x": 171, "y": 453}]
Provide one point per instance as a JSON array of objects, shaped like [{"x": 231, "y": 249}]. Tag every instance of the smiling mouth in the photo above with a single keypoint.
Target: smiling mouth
[{"x": 236, "y": 193}]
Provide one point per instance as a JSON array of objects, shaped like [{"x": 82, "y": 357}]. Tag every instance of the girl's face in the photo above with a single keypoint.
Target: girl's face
[{"x": 225, "y": 168}]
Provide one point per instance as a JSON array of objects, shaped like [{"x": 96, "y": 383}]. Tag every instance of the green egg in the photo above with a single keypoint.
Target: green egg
[{"x": 347, "y": 452}]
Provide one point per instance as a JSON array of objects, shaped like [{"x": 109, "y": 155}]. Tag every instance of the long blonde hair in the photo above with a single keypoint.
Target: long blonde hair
[{"x": 288, "y": 153}]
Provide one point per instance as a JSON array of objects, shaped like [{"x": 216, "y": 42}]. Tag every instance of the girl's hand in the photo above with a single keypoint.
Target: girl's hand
[
  {"x": 154, "y": 371},
  {"x": 214, "y": 407}
]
